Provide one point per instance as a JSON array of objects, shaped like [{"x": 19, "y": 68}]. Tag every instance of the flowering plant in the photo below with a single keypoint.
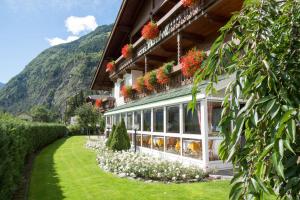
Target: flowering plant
[
  {"x": 150, "y": 80},
  {"x": 126, "y": 91},
  {"x": 164, "y": 72},
  {"x": 188, "y": 3},
  {"x": 139, "y": 84},
  {"x": 150, "y": 31},
  {"x": 191, "y": 62},
  {"x": 98, "y": 103},
  {"x": 127, "y": 51},
  {"x": 110, "y": 67}
]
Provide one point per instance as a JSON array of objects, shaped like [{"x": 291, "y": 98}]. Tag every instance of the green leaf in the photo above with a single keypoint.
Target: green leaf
[{"x": 291, "y": 128}]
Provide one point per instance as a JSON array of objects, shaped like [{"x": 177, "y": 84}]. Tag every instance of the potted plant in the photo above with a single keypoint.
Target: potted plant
[
  {"x": 139, "y": 84},
  {"x": 110, "y": 67},
  {"x": 191, "y": 62},
  {"x": 163, "y": 73},
  {"x": 150, "y": 80},
  {"x": 126, "y": 91},
  {"x": 189, "y": 3},
  {"x": 150, "y": 31},
  {"x": 127, "y": 51}
]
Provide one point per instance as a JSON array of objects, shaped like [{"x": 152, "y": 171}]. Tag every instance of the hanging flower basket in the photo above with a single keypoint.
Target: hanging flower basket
[
  {"x": 150, "y": 80},
  {"x": 127, "y": 51},
  {"x": 110, "y": 67},
  {"x": 139, "y": 85},
  {"x": 189, "y": 3},
  {"x": 163, "y": 73},
  {"x": 150, "y": 31},
  {"x": 98, "y": 103},
  {"x": 191, "y": 62},
  {"x": 126, "y": 91}
]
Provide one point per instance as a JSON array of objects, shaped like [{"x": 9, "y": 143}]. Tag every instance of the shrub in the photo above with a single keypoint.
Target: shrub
[
  {"x": 74, "y": 130},
  {"x": 120, "y": 140},
  {"x": 18, "y": 139},
  {"x": 110, "y": 136}
]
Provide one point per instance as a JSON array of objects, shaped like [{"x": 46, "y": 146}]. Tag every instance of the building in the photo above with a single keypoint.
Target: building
[
  {"x": 157, "y": 107},
  {"x": 102, "y": 102}
]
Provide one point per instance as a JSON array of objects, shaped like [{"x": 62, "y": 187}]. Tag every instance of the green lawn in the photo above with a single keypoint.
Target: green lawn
[{"x": 67, "y": 170}]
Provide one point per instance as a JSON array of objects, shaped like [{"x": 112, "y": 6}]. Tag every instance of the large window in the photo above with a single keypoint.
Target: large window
[
  {"x": 192, "y": 120},
  {"x": 158, "y": 143},
  {"x": 117, "y": 119},
  {"x": 214, "y": 117},
  {"x": 147, "y": 120},
  {"x": 146, "y": 141},
  {"x": 137, "y": 120},
  {"x": 108, "y": 120},
  {"x": 129, "y": 121},
  {"x": 192, "y": 148},
  {"x": 173, "y": 119},
  {"x": 213, "y": 146},
  {"x": 123, "y": 117},
  {"x": 138, "y": 140},
  {"x": 173, "y": 145},
  {"x": 158, "y": 115}
]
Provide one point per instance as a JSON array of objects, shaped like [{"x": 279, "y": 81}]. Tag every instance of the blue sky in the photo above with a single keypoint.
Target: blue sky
[{"x": 30, "y": 26}]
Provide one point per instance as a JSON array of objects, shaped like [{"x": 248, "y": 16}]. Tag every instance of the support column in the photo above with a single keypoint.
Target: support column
[
  {"x": 204, "y": 133},
  {"x": 165, "y": 126},
  {"x": 178, "y": 47},
  {"x": 146, "y": 64},
  {"x": 181, "y": 124}
]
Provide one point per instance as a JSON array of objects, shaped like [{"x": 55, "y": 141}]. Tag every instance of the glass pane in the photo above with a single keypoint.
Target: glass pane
[
  {"x": 129, "y": 121},
  {"x": 192, "y": 148},
  {"x": 123, "y": 117},
  {"x": 108, "y": 122},
  {"x": 173, "y": 119},
  {"x": 158, "y": 143},
  {"x": 130, "y": 137},
  {"x": 158, "y": 114},
  {"x": 146, "y": 141},
  {"x": 213, "y": 146},
  {"x": 137, "y": 119},
  {"x": 192, "y": 120},
  {"x": 173, "y": 145},
  {"x": 117, "y": 119},
  {"x": 214, "y": 117},
  {"x": 147, "y": 120},
  {"x": 138, "y": 139}
]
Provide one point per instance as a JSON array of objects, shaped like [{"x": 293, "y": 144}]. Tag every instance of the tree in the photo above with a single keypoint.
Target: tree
[
  {"x": 102, "y": 123},
  {"x": 40, "y": 113},
  {"x": 87, "y": 116},
  {"x": 120, "y": 139},
  {"x": 264, "y": 57},
  {"x": 108, "y": 142}
]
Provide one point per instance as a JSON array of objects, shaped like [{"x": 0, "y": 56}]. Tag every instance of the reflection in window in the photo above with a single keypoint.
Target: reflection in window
[
  {"x": 214, "y": 117},
  {"x": 137, "y": 119},
  {"x": 213, "y": 146},
  {"x": 146, "y": 141},
  {"x": 129, "y": 121},
  {"x": 173, "y": 119},
  {"x": 138, "y": 140},
  {"x": 173, "y": 145},
  {"x": 192, "y": 148},
  {"x": 158, "y": 143},
  {"x": 158, "y": 114},
  {"x": 147, "y": 120},
  {"x": 192, "y": 120}
]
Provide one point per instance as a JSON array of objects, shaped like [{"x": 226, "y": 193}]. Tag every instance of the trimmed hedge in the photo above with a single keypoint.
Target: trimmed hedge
[{"x": 18, "y": 139}]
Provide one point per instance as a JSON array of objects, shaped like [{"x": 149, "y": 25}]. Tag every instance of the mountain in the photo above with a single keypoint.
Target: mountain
[
  {"x": 1, "y": 85},
  {"x": 55, "y": 74}
]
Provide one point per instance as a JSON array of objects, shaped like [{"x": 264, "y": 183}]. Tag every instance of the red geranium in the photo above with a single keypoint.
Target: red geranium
[
  {"x": 98, "y": 103},
  {"x": 150, "y": 80},
  {"x": 150, "y": 31},
  {"x": 163, "y": 73},
  {"x": 127, "y": 50},
  {"x": 126, "y": 91},
  {"x": 188, "y": 3},
  {"x": 110, "y": 67},
  {"x": 191, "y": 62},
  {"x": 139, "y": 84}
]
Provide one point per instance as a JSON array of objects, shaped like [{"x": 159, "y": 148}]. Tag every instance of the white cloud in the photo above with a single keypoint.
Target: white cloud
[
  {"x": 76, "y": 25},
  {"x": 57, "y": 40}
]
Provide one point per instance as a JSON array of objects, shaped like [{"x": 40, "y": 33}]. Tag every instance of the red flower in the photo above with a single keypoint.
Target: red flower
[
  {"x": 150, "y": 80},
  {"x": 98, "y": 103},
  {"x": 150, "y": 31},
  {"x": 126, "y": 91},
  {"x": 139, "y": 84},
  {"x": 188, "y": 3},
  {"x": 164, "y": 72},
  {"x": 191, "y": 62},
  {"x": 127, "y": 51},
  {"x": 110, "y": 67}
]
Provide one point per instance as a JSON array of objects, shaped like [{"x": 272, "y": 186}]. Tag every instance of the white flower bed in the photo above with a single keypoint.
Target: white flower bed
[{"x": 138, "y": 165}]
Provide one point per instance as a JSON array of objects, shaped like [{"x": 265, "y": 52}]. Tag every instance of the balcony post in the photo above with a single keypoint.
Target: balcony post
[
  {"x": 178, "y": 47},
  {"x": 146, "y": 64},
  {"x": 204, "y": 133}
]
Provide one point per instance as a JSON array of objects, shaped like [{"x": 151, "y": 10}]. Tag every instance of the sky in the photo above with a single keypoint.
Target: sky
[{"x": 27, "y": 27}]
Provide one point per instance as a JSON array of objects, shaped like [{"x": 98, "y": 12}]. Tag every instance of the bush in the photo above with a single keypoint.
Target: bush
[
  {"x": 18, "y": 139},
  {"x": 110, "y": 136},
  {"x": 74, "y": 130},
  {"x": 120, "y": 139}
]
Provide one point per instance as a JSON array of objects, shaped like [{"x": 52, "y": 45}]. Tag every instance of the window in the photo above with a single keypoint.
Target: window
[
  {"x": 213, "y": 146},
  {"x": 214, "y": 117},
  {"x": 147, "y": 120},
  {"x": 108, "y": 120},
  {"x": 192, "y": 120},
  {"x": 158, "y": 115},
  {"x": 123, "y": 117},
  {"x": 173, "y": 145},
  {"x": 116, "y": 119},
  {"x": 192, "y": 148},
  {"x": 130, "y": 135},
  {"x": 122, "y": 83},
  {"x": 137, "y": 120},
  {"x": 173, "y": 119},
  {"x": 129, "y": 121},
  {"x": 138, "y": 140},
  {"x": 158, "y": 143},
  {"x": 146, "y": 141}
]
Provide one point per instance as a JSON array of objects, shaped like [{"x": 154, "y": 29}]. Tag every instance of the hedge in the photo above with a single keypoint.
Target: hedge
[{"x": 18, "y": 139}]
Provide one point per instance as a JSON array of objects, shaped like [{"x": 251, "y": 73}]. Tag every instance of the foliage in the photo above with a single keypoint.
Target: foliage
[
  {"x": 191, "y": 62},
  {"x": 88, "y": 116},
  {"x": 120, "y": 139},
  {"x": 41, "y": 113},
  {"x": 18, "y": 139},
  {"x": 102, "y": 123},
  {"x": 110, "y": 67},
  {"x": 150, "y": 31},
  {"x": 111, "y": 135},
  {"x": 163, "y": 73},
  {"x": 126, "y": 91},
  {"x": 150, "y": 80},
  {"x": 189, "y": 3},
  {"x": 127, "y": 51},
  {"x": 139, "y": 84},
  {"x": 263, "y": 56},
  {"x": 74, "y": 130}
]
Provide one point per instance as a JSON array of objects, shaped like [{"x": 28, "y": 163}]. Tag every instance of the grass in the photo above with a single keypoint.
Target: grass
[{"x": 67, "y": 170}]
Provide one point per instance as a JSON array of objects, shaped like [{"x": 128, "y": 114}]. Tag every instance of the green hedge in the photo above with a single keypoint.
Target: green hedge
[{"x": 19, "y": 139}]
